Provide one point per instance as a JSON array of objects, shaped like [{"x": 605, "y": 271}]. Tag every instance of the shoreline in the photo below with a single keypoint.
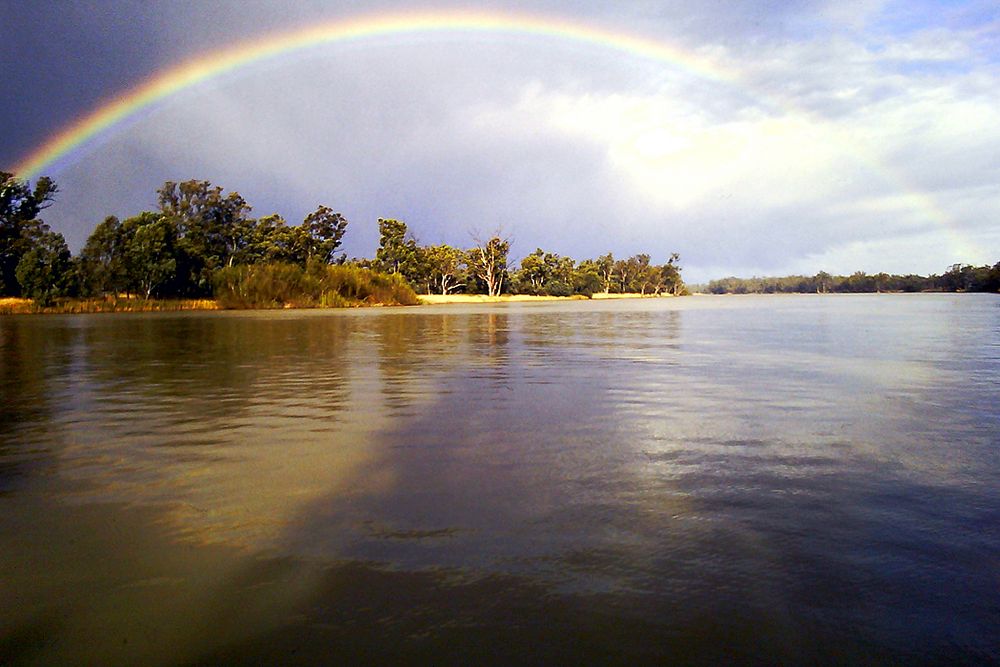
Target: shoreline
[
  {"x": 438, "y": 299},
  {"x": 19, "y": 306}
]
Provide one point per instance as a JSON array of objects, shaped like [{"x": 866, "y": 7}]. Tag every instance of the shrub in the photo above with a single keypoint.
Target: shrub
[{"x": 319, "y": 285}]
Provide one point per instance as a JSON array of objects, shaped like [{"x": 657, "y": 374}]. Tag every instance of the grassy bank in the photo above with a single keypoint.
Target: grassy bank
[
  {"x": 253, "y": 287},
  {"x": 319, "y": 286},
  {"x": 248, "y": 290},
  {"x": 12, "y": 306}
]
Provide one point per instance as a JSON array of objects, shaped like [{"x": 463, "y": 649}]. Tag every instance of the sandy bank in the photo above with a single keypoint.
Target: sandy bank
[
  {"x": 13, "y": 306},
  {"x": 435, "y": 299}
]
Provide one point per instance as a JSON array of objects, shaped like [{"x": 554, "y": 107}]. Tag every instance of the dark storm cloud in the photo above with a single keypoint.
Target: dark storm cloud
[{"x": 848, "y": 128}]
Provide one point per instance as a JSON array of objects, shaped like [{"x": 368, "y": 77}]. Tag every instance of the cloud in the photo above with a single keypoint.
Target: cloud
[{"x": 837, "y": 140}]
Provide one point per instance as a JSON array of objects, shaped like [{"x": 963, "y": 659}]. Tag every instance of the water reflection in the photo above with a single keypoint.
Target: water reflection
[
  {"x": 32, "y": 366},
  {"x": 756, "y": 480}
]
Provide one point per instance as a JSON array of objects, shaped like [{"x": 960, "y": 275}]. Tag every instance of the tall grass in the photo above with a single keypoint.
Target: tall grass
[
  {"x": 318, "y": 286},
  {"x": 257, "y": 286},
  {"x": 109, "y": 304}
]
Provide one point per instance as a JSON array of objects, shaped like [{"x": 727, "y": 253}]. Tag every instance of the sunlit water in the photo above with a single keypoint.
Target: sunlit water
[{"x": 797, "y": 480}]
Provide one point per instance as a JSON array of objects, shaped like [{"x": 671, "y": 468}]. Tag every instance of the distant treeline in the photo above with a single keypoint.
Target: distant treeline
[
  {"x": 203, "y": 242},
  {"x": 958, "y": 278}
]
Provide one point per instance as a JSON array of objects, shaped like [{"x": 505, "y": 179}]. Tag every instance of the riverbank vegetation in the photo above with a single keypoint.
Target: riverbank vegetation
[
  {"x": 109, "y": 304},
  {"x": 316, "y": 286},
  {"x": 958, "y": 278},
  {"x": 201, "y": 243}
]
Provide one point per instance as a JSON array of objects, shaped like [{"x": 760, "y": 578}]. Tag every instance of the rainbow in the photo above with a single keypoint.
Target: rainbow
[
  {"x": 216, "y": 63},
  {"x": 78, "y": 134}
]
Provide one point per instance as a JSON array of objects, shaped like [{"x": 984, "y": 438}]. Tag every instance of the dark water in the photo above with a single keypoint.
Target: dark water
[{"x": 775, "y": 480}]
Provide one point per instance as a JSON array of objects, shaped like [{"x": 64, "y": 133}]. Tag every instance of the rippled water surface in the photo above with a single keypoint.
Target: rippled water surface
[{"x": 797, "y": 480}]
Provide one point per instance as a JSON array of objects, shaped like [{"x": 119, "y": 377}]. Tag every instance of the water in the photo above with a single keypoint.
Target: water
[{"x": 759, "y": 480}]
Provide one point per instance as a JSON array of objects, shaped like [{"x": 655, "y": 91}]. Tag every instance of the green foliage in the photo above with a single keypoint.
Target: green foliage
[
  {"x": 322, "y": 231},
  {"x": 605, "y": 268},
  {"x": 958, "y": 278},
  {"x": 319, "y": 285},
  {"x": 102, "y": 260},
  {"x": 445, "y": 266},
  {"x": 488, "y": 262},
  {"x": 670, "y": 277},
  {"x": 545, "y": 273},
  {"x": 211, "y": 229},
  {"x": 139, "y": 256},
  {"x": 628, "y": 274},
  {"x": 20, "y": 228},
  {"x": 586, "y": 279},
  {"x": 150, "y": 253},
  {"x": 43, "y": 271},
  {"x": 966, "y": 278},
  {"x": 202, "y": 240},
  {"x": 398, "y": 252},
  {"x": 197, "y": 231}
]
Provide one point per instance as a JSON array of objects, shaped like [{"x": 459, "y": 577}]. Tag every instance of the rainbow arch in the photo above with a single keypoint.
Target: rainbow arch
[
  {"x": 80, "y": 132},
  {"x": 216, "y": 63}
]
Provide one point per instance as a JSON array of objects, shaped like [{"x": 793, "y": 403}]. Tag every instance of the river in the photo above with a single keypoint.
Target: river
[{"x": 809, "y": 479}]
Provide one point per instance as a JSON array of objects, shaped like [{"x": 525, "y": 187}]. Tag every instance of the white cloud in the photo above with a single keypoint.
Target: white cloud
[
  {"x": 826, "y": 148},
  {"x": 927, "y": 46}
]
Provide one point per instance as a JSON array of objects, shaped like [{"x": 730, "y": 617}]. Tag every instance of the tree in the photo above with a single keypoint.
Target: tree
[
  {"x": 823, "y": 282},
  {"x": 272, "y": 240},
  {"x": 628, "y": 271},
  {"x": 670, "y": 276},
  {"x": 488, "y": 262},
  {"x": 605, "y": 267},
  {"x": 545, "y": 273},
  {"x": 561, "y": 274},
  {"x": 102, "y": 268},
  {"x": 992, "y": 282},
  {"x": 586, "y": 279},
  {"x": 631, "y": 272},
  {"x": 211, "y": 228},
  {"x": 533, "y": 274},
  {"x": 20, "y": 228},
  {"x": 150, "y": 260},
  {"x": 397, "y": 251},
  {"x": 322, "y": 231},
  {"x": 444, "y": 264},
  {"x": 43, "y": 271},
  {"x": 651, "y": 280}
]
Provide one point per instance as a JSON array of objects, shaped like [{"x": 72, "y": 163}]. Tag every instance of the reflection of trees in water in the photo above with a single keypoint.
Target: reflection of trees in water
[
  {"x": 227, "y": 422},
  {"x": 413, "y": 350},
  {"x": 403, "y": 355},
  {"x": 220, "y": 361},
  {"x": 499, "y": 460},
  {"x": 35, "y": 355},
  {"x": 641, "y": 530},
  {"x": 488, "y": 341}
]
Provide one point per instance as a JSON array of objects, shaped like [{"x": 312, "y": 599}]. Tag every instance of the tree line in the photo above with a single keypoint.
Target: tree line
[
  {"x": 486, "y": 268},
  {"x": 200, "y": 240},
  {"x": 958, "y": 278}
]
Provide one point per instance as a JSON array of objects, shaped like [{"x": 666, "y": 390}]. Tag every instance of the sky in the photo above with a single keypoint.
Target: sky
[{"x": 778, "y": 138}]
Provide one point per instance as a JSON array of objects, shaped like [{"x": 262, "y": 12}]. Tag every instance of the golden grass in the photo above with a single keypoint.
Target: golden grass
[
  {"x": 15, "y": 306},
  {"x": 12, "y": 306}
]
